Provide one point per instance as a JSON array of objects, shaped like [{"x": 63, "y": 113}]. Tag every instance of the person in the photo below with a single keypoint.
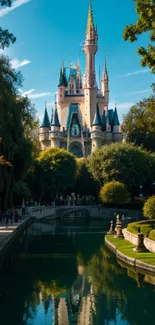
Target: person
[
  {"x": 6, "y": 219},
  {"x": 16, "y": 216}
]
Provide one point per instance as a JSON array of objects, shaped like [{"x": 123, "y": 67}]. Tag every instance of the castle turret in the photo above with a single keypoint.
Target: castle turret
[
  {"x": 105, "y": 85},
  {"x": 90, "y": 89},
  {"x": 44, "y": 131},
  {"x": 115, "y": 122},
  {"x": 55, "y": 129},
  {"x": 96, "y": 134},
  {"x": 62, "y": 84},
  {"x": 96, "y": 125}
]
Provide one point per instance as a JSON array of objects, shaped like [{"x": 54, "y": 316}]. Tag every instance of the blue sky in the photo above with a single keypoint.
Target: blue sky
[{"x": 49, "y": 30}]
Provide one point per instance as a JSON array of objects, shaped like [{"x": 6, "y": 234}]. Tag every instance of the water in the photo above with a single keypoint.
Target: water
[{"x": 64, "y": 275}]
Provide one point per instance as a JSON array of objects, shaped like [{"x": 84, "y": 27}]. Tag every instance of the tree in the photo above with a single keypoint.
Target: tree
[
  {"x": 54, "y": 172},
  {"x": 125, "y": 163},
  {"x": 16, "y": 124},
  {"x": 114, "y": 193},
  {"x": 145, "y": 23},
  {"x": 5, "y": 37},
  {"x": 149, "y": 208},
  {"x": 139, "y": 124},
  {"x": 85, "y": 182}
]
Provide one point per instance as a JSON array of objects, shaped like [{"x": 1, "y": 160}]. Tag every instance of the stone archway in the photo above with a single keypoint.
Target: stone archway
[{"x": 76, "y": 149}]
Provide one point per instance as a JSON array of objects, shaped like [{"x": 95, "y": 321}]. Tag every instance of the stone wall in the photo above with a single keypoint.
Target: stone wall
[
  {"x": 132, "y": 238},
  {"x": 137, "y": 264}
]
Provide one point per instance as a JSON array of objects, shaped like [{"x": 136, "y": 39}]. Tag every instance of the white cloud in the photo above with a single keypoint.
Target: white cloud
[
  {"x": 138, "y": 92},
  {"x": 17, "y": 64},
  {"x": 39, "y": 95},
  {"x": 134, "y": 73},
  {"x": 28, "y": 92},
  {"x": 15, "y": 4}
]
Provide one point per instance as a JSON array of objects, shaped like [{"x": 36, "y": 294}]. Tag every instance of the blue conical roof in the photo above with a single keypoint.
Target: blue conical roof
[
  {"x": 115, "y": 120},
  {"x": 55, "y": 120},
  {"x": 103, "y": 121},
  {"x": 46, "y": 121},
  {"x": 97, "y": 118}
]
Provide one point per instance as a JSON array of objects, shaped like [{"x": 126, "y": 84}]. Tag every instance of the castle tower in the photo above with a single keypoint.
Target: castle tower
[
  {"x": 115, "y": 122},
  {"x": 96, "y": 134},
  {"x": 55, "y": 129},
  {"x": 90, "y": 89},
  {"x": 44, "y": 131},
  {"x": 62, "y": 84},
  {"x": 105, "y": 85}
]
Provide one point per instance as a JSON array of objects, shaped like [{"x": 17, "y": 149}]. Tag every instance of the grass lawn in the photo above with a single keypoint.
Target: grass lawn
[{"x": 126, "y": 248}]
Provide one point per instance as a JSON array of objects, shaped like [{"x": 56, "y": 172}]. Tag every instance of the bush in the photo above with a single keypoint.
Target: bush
[
  {"x": 152, "y": 235},
  {"x": 145, "y": 227},
  {"x": 114, "y": 193},
  {"x": 149, "y": 208}
]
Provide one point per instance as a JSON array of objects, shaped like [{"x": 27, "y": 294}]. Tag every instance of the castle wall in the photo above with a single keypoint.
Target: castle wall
[{"x": 64, "y": 106}]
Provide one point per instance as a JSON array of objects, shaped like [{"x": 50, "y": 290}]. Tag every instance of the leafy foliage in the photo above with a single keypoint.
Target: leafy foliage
[
  {"x": 145, "y": 227},
  {"x": 125, "y": 163},
  {"x": 114, "y": 193},
  {"x": 17, "y": 120},
  {"x": 152, "y": 235},
  {"x": 5, "y": 37},
  {"x": 53, "y": 173},
  {"x": 145, "y": 23},
  {"x": 85, "y": 182},
  {"x": 149, "y": 208},
  {"x": 139, "y": 124}
]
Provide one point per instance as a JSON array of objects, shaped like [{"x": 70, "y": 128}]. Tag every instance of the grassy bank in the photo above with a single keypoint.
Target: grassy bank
[
  {"x": 126, "y": 248},
  {"x": 145, "y": 227}
]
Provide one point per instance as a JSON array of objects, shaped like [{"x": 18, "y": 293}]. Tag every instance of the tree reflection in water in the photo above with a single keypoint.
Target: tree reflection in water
[{"x": 104, "y": 290}]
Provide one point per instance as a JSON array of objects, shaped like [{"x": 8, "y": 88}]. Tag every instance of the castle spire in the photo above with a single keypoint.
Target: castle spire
[
  {"x": 55, "y": 119},
  {"x": 97, "y": 118},
  {"x": 46, "y": 121},
  {"x": 105, "y": 74},
  {"x": 62, "y": 79},
  {"x": 90, "y": 31}
]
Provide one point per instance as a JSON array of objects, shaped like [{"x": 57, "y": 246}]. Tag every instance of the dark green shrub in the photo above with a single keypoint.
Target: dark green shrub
[
  {"x": 149, "y": 208},
  {"x": 114, "y": 193},
  {"x": 145, "y": 227},
  {"x": 152, "y": 235}
]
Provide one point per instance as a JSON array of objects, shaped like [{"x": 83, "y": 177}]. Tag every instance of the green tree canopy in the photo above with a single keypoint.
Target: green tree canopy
[
  {"x": 149, "y": 208},
  {"x": 139, "y": 124},
  {"x": 5, "y": 37},
  {"x": 145, "y": 23},
  {"x": 17, "y": 120},
  {"x": 125, "y": 163},
  {"x": 114, "y": 193},
  {"x": 53, "y": 173},
  {"x": 85, "y": 182}
]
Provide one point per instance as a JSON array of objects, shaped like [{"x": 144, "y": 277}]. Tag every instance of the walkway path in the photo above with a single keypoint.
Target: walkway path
[{"x": 4, "y": 232}]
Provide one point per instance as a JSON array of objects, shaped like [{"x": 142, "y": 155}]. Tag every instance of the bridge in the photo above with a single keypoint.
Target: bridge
[{"x": 90, "y": 211}]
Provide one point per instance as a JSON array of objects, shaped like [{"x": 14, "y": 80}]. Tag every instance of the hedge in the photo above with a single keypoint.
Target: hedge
[
  {"x": 145, "y": 227},
  {"x": 152, "y": 235}
]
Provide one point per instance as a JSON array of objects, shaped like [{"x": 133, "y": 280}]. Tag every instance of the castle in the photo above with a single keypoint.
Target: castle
[{"x": 82, "y": 120}]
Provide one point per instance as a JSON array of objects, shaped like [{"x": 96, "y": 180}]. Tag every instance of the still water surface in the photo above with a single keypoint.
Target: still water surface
[{"x": 63, "y": 275}]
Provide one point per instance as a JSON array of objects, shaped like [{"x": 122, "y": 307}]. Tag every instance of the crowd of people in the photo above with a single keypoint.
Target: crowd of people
[
  {"x": 73, "y": 199},
  {"x": 9, "y": 216}
]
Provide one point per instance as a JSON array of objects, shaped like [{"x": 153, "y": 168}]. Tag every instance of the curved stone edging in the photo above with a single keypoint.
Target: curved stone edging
[
  {"x": 8, "y": 240},
  {"x": 132, "y": 238},
  {"x": 129, "y": 260}
]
